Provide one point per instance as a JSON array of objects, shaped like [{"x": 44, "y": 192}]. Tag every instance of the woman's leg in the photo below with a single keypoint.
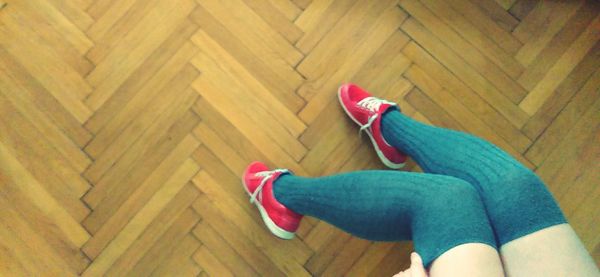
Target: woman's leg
[
  {"x": 443, "y": 215},
  {"x": 552, "y": 251},
  {"x": 520, "y": 208}
]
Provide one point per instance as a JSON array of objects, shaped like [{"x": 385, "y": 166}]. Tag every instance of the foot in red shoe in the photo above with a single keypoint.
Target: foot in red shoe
[
  {"x": 367, "y": 111},
  {"x": 258, "y": 183}
]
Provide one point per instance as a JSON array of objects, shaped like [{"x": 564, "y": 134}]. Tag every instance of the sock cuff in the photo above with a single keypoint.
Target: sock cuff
[{"x": 429, "y": 257}]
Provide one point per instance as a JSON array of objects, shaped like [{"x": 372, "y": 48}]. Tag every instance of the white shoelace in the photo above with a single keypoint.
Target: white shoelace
[
  {"x": 372, "y": 104},
  {"x": 266, "y": 175}
]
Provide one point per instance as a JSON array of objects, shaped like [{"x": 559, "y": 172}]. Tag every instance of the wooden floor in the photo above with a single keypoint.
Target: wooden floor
[{"x": 125, "y": 124}]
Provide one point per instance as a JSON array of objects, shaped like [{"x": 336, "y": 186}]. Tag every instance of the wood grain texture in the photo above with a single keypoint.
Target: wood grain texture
[{"x": 124, "y": 125}]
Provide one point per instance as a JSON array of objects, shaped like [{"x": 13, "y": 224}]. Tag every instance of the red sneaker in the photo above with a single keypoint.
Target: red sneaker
[
  {"x": 258, "y": 183},
  {"x": 366, "y": 111}
]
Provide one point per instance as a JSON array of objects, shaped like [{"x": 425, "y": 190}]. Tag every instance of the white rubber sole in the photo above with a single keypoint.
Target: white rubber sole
[
  {"x": 276, "y": 230},
  {"x": 380, "y": 154}
]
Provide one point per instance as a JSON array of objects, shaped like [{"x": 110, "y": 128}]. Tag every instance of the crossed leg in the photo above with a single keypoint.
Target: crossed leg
[
  {"x": 475, "y": 199},
  {"x": 531, "y": 231},
  {"x": 442, "y": 215}
]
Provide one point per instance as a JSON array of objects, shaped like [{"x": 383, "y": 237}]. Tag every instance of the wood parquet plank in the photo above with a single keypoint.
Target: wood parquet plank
[
  {"x": 302, "y": 4},
  {"x": 481, "y": 41},
  {"x": 370, "y": 259},
  {"x": 551, "y": 52},
  {"x": 563, "y": 93},
  {"x": 176, "y": 219},
  {"x": 275, "y": 148},
  {"x": 497, "y": 13},
  {"x": 43, "y": 11},
  {"x": 313, "y": 90},
  {"x": 453, "y": 106},
  {"x": 250, "y": 115},
  {"x": 257, "y": 259},
  {"x": 125, "y": 125},
  {"x": 334, "y": 49},
  {"x": 114, "y": 24},
  {"x": 42, "y": 161},
  {"x": 74, "y": 11},
  {"x": 468, "y": 75},
  {"x": 227, "y": 154},
  {"x": 289, "y": 9},
  {"x": 294, "y": 249},
  {"x": 237, "y": 16},
  {"x": 543, "y": 90},
  {"x": 121, "y": 211},
  {"x": 211, "y": 265},
  {"x": 56, "y": 135},
  {"x": 521, "y": 8},
  {"x": 319, "y": 262},
  {"x": 369, "y": 70},
  {"x": 389, "y": 264},
  {"x": 487, "y": 25},
  {"x": 223, "y": 251},
  {"x": 565, "y": 164},
  {"x": 348, "y": 255},
  {"x": 23, "y": 241},
  {"x": 341, "y": 139},
  {"x": 578, "y": 105},
  {"x": 477, "y": 104},
  {"x": 228, "y": 179},
  {"x": 279, "y": 77},
  {"x": 109, "y": 145},
  {"x": 584, "y": 129},
  {"x": 149, "y": 75},
  {"x": 171, "y": 144},
  {"x": 179, "y": 262},
  {"x": 245, "y": 147},
  {"x": 147, "y": 35},
  {"x": 579, "y": 179},
  {"x": 147, "y": 151},
  {"x": 436, "y": 114},
  {"x": 318, "y": 19},
  {"x": 538, "y": 21},
  {"x": 262, "y": 97},
  {"x": 48, "y": 213},
  {"x": 291, "y": 255},
  {"x": 18, "y": 79},
  {"x": 98, "y": 8},
  {"x": 171, "y": 242},
  {"x": 119, "y": 245},
  {"x": 277, "y": 20},
  {"x": 500, "y": 77},
  {"x": 69, "y": 90},
  {"x": 63, "y": 48}
]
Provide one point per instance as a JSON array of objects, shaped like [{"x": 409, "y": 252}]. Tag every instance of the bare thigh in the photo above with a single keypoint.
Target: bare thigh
[
  {"x": 470, "y": 259},
  {"x": 553, "y": 251}
]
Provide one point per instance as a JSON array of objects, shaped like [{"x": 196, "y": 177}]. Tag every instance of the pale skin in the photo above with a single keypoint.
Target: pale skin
[{"x": 552, "y": 251}]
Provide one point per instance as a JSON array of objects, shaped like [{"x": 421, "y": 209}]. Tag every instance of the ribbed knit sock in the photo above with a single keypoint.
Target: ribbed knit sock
[
  {"x": 517, "y": 201},
  {"x": 437, "y": 212}
]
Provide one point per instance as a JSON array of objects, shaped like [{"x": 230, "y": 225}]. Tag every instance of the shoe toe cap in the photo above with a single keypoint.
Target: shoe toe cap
[{"x": 353, "y": 93}]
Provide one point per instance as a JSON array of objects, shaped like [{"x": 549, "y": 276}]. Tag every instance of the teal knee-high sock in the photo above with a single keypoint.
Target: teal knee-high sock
[
  {"x": 516, "y": 200},
  {"x": 437, "y": 212}
]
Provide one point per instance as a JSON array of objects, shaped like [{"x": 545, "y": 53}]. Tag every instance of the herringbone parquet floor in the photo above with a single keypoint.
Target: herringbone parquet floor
[{"x": 124, "y": 124}]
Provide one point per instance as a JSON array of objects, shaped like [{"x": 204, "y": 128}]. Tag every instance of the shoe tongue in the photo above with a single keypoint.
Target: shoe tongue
[
  {"x": 379, "y": 105},
  {"x": 276, "y": 173},
  {"x": 389, "y": 108},
  {"x": 369, "y": 104}
]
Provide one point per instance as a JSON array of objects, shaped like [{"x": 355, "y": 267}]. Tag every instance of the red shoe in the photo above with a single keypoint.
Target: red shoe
[
  {"x": 258, "y": 183},
  {"x": 366, "y": 111}
]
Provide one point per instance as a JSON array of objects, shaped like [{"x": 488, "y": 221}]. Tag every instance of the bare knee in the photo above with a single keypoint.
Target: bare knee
[
  {"x": 469, "y": 259},
  {"x": 553, "y": 251}
]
